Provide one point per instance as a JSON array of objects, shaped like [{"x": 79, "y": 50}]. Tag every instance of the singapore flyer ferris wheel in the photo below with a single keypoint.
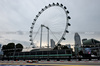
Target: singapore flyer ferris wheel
[{"x": 41, "y": 25}]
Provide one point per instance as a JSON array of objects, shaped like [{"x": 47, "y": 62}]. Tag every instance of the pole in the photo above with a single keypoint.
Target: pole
[
  {"x": 41, "y": 37},
  {"x": 48, "y": 37}
]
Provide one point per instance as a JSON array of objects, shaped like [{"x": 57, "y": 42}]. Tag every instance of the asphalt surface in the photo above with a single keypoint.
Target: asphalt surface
[
  {"x": 71, "y": 63},
  {"x": 50, "y": 63}
]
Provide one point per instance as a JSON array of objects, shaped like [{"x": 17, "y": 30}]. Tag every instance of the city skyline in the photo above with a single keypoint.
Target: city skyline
[{"x": 16, "y": 17}]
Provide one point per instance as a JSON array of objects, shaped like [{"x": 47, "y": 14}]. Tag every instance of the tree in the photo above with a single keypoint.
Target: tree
[
  {"x": 11, "y": 47},
  {"x": 19, "y": 47},
  {"x": 8, "y": 48},
  {"x": 55, "y": 48},
  {"x": 64, "y": 47},
  {"x": 59, "y": 46},
  {"x": 4, "y": 49}
]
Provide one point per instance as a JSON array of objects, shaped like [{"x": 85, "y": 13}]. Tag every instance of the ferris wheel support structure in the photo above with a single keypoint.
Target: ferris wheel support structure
[
  {"x": 41, "y": 35},
  {"x": 40, "y": 12}
]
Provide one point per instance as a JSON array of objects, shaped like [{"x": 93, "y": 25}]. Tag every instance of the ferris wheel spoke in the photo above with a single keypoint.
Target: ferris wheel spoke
[
  {"x": 53, "y": 35},
  {"x": 36, "y": 34}
]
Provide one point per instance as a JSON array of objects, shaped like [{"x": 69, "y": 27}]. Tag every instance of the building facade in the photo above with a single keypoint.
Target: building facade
[
  {"x": 77, "y": 47},
  {"x": 93, "y": 45},
  {"x": 52, "y": 43},
  {"x": 1, "y": 53}
]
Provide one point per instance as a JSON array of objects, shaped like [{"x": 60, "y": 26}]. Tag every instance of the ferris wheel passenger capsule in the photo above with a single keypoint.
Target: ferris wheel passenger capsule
[
  {"x": 30, "y": 31},
  {"x": 39, "y": 12},
  {"x": 61, "y": 5},
  {"x": 30, "y": 35},
  {"x": 67, "y": 31},
  {"x": 69, "y": 17},
  {"x": 57, "y": 3},
  {"x": 69, "y": 24},
  {"x": 33, "y": 46},
  {"x": 53, "y": 4},
  {"x": 67, "y": 11},
  {"x": 65, "y": 7},
  {"x": 42, "y": 9},
  {"x": 50, "y": 5},
  {"x": 46, "y": 7},
  {"x": 30, "y": 39},
  {"x": 31, "y": 43},
  {"x": 63, "y": 38},
  {"x": 31, "y": 27},
  {"x": 32, "y": 23},
  {"x": 37, "y": 16},
  {"x": 34, "y": 19}
]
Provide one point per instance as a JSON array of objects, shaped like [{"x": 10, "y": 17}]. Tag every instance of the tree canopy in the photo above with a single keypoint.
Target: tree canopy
[
  {"x": 19, "y": 47},
  {"x": 59, "y": 46},
  {"x": 11, "y": 47}
]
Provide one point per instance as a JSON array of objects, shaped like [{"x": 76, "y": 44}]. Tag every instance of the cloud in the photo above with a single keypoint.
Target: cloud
[
  {"x": 1, "y": 37},
  {"x": 17, "y": 15},
  {"x": 20, "y": 32}
]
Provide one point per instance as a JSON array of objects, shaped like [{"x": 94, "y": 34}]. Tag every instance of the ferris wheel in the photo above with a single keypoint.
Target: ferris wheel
[{"x": 62, "y": 37}]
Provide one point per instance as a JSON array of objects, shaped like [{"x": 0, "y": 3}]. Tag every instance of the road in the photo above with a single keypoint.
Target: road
[
  {"x": 50, "y": 63},
  {"x": 72, "y": 63}
]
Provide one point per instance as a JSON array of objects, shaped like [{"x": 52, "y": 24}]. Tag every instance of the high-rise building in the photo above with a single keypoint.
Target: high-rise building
[
  {"x": 77, "y": 43},
  {"x": 1, "y": 53},
  {"x": 0, "y": 47},
  {"x": 77, "y": 39},
  {"x": 52, "y": 43}
]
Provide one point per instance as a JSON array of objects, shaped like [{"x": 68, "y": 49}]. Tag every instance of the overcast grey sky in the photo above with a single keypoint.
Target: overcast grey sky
[{"x": 16, "y": 17}]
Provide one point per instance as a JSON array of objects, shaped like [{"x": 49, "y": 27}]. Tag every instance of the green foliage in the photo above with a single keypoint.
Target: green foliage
[
  {"x": 65, "y": 47},
  {"x": 19, "y": 47},
  {"x": 55, "y": 48},
  {"x": 4, "y": 47},
  {"x": 59, "y": 46},
  {"x": 11, "y": 47}
]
